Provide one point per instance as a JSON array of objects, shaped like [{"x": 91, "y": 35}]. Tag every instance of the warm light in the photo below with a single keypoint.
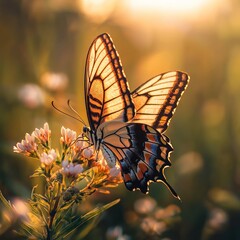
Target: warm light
[
  {"x": 97, "y": 10},
  {"x": 166, "y": 5}
]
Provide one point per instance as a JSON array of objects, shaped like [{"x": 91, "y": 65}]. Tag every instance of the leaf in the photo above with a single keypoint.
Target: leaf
[
  {"x": 76, "y": 222},
  {"x": 5, "y": 202}
]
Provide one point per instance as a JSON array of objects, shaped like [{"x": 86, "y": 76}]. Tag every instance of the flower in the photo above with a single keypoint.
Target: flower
[
  {"x": 43, "y": 134},
  {"x": 151, "y": 226},
  {"x": 47, "y": 159},
  {"x": 68, "y": 136},
  {"x": 116, "y": 233},
  {"x": 145, "y": 205},
  {"x": 28, "y": 147},
  {"x": 87, "y": 152},
  {"x": 31, "y": 95},
  {"x": 54, "y": 81},
  {"x": 218, "y": 219},
  {"x": 70, "y": 169}
]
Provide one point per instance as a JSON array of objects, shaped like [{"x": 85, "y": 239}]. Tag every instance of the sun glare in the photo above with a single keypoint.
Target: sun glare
[{"x": 167, "y": 5}]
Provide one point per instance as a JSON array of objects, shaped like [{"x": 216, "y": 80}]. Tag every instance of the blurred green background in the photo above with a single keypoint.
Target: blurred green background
[{"x": 43, "y": 50}]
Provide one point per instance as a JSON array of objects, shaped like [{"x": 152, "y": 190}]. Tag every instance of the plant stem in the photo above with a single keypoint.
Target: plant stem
[{"x": 52, "y": 214}]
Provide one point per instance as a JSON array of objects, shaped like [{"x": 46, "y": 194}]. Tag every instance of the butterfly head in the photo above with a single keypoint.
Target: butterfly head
[{"x": 86, "y": 131}]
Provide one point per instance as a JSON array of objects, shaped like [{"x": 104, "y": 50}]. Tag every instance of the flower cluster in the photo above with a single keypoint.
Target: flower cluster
[
  {"x": 153, "y": 219},
  {"x": 72, "y": 172}
]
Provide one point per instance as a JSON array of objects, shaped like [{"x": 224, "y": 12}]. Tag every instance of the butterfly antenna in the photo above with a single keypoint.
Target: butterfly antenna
[
  {"x": 71, "y": 107},
  {"x": 80, "y": 120}
]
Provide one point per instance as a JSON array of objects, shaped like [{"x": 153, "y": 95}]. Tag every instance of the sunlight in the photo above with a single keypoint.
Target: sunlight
[
  {"x": 169, "y": 5},
  {"x": 96, "y": 10}
]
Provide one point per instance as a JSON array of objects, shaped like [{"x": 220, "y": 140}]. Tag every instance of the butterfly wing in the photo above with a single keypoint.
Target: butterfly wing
[
  {"x": 142, "y": 152},
  {"x": 107, "y": 93},
  {"x": 156, "y": 100}
]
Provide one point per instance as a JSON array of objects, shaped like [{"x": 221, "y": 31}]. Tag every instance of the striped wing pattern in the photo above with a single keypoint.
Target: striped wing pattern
[
  {"x": 156, "y": 100},
  {"x": 128, "y": 127},
  {"x": 142, "y": 152},
  {"x": 106, "y": 89}
]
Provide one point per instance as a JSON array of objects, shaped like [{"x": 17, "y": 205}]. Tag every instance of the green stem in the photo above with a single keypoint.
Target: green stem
[{"x": 52, "y": 214}]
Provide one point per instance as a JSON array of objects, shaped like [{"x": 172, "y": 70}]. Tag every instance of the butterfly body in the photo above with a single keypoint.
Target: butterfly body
[{"x": 128, "y": 127}]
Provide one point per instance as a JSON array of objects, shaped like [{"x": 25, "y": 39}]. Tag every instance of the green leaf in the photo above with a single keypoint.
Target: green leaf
[
  {"x": 5, "y": 202},
  {"x": 76, "y": 222}
]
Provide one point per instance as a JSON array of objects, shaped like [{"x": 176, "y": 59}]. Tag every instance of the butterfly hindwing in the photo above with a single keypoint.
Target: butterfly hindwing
[
  {"x": 141, "y": 151},
  {"x": 106, "y": 89},
  {"x": 156, "y": 100}
]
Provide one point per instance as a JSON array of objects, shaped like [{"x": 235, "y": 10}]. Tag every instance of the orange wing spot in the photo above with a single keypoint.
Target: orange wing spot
[
  {"x": 119, "y": 74},
  {"x": 142, "y": 166},
  {"x": 163, "y": 155},
  {"x": 163, "y": 150},
  {"x": 113, "y": 55},
  {"x": 127, "y": 177},
  {"x": 148, "y": 146},
  {"x": 168, "y": 109},
  {"x": 181, "y": 84},
  {"x": 95, "y": 118},
  {"x": 147, "y": 157},
  {"x": 152, "y": 137},
  {"x": 115, "y": 63},
  {"x": 159, "y": 164},
  {"x": 173, "y": 100},
  {"x": 141, "y": 170},
  {"x": 123, "y": 85},
  {"x": 109, "y": 46},
  {"x": 143, "y": 128},
  {"x": 176, "y": 92},
  {"x": 164, "y": 119}
]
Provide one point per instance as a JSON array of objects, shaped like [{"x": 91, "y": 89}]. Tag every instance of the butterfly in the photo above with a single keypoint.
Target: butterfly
[{"x": 127, "y": 127}]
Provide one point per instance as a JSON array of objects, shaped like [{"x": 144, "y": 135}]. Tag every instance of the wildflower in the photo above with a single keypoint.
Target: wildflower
[
  {"x": 28, "y": 147},
  {"x": 68, "y": 136},
  {"x": 43, "y": 134},
  {"x": 168, "y": 212},
  {"x": 151, "y": 226},
  {"x": 54, "y": 81},
  {"x": 87, "y": 153},
  {"x": 48, "y": 159},
  {"x": 31, "y": 95},
  {"x": 218, "y": 219},
  {"x": 116, "y": 233},
  {"x": 115, "y": 171},
  {"x": 70, "y": 169},
  {"x": 145, "y": 205},
  {"x": 79, "y": 144}
]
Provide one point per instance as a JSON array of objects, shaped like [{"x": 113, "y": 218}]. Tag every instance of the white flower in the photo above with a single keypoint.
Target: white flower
[
  {"x": 27, "y": 147},
  {"x": 48, "y": 158},
  {"x": 68, "y": 136},
  {"x": 70, "y": 169},
  {"x": 43, "y": 134},
  {"x": 115, "y": 171},
  {"x": 54, "y": 81},
  {"x": 87, "y": 153},
  {"x": 31, "y": 95}
]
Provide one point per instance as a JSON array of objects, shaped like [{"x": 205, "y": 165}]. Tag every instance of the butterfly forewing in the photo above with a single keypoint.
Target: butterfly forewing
[
  {"x": 106, "y": 89},
  {"x": 156, "y": 100}
]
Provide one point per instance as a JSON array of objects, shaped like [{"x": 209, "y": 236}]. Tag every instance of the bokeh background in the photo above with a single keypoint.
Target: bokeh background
[{"x": 43, "y": 49}]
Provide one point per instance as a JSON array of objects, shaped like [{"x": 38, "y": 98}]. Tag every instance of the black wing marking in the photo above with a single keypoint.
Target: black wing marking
[{"x": 107, "y": 93}]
